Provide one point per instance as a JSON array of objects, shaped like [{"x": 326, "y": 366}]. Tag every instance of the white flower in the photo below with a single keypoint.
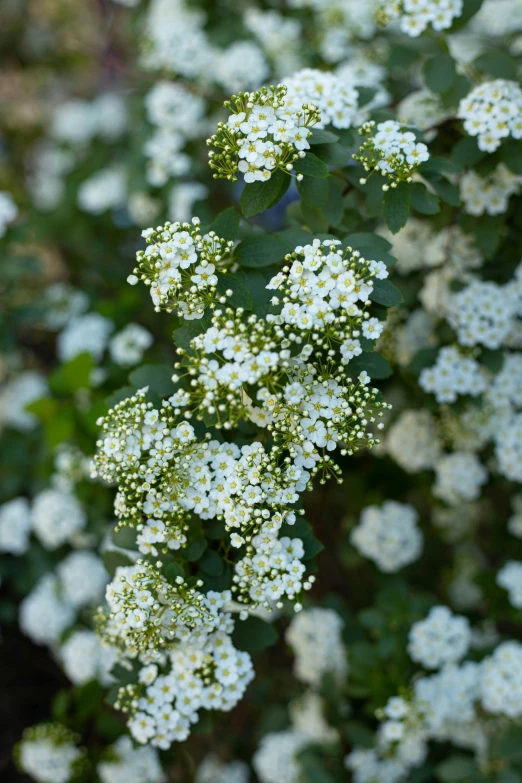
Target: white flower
[
  {"x": 128, "y": 346},
  {"x": 8, "y": 211},
  {"x": 388, "y": 535},
  {"x": 493, "y": 111},
  {"x": 439, "y": 639},
  {"x": 15, "y": 526}
]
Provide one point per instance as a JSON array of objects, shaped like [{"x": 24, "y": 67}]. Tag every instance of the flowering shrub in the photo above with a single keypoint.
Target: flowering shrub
[{"x": 267, "y": 527}]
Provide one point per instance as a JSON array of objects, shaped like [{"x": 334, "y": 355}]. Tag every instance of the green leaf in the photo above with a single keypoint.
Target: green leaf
[
  {"x": 123, "y": 675},
  {"x": 497, "y": 63},
  {"x": 240, "y": 295},
  {"x": 375, "y": 365},
  {"x": 455, "y": 769},
  {"x": 333, "y": 210},
  {"x": 184, "y": 334},
  {"x": 295, "y": 237},
  {"x": 157, "y": 377},
  {"x": 44, "y": 409},
  {"x": 125, "y": 538},
  {"x": 440, "y": 73},
  {"x": 511, "y": 155},
  {"x": 422, "y": 200},
  {"x": 396, "y": 207},
  {"x": 447, "y": 191},
  {"x": 254, "y": 635},
  {"x": 320, "y": 136},
  {"x": 507, "y": 776},
  {"x": 385, "y": 293},
  {"x": 311, "y": 166},
  {"x": 402, "y": 56},
  {"x": 173, "y": 571},
  {"x": 492, "y": 360},
  {"x": 359, "y": 734},
  {"x": 212, "y": 563},
  {"x": 73, "y": 375},
  {"x": 113, "y": 560},
  {"x": 433, "y": 168},
  {"x": 226, "y": 224},
  {"x": 363, "y": 240},
  {"x": 193, "y": 551},
  {"x": 313, "y": 771},
  {"x": 256, "y": 281},
  {"x": 314, "y": 219},
  {"x": 60, "y": 428},
  {"x": 470, "y": 8},
  {"x": 461, "y": 87},
  {"x": 366, "y": 94},
  {"x": 336, "y": 155},
  {"x": 259, "y": 251},
  {"x": 466, "y": 152},
  {"x": 508, "y": 745},
  {"x": 426, "y": 357},
  {"x": 259, "y": 196},
  {"x": 314, "y": 192},
  {"x": 488, "y": 235}
]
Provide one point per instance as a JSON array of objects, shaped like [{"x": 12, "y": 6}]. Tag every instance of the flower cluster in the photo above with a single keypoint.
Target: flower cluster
[
  {"x": 482, "y": 313},
  {"x": 76, "y": 122},
  {"x": 177, "y": 115},
  {"x": 392, "y": 151},
  {"x": 128, "y": 764},
  {"x": 15, "y": 526},
  {"x": 82, "y": 578},
  {"x": 489, "y": 194},
  {"x": 416, "y": 15},
  {"x": 335, "y": 100},
  {"x": 56, "y": 517},
  {"x": 315, "y": 636},
  {"x": 412, "y": 441},
  {"x": 208, "y": 673},
  {"x": 388, "y": 535},
  {"x": 103, "y": 191},
  {"x": 265, "y": 132},
  {"x": 16, "y": 395},
  {"x": 508, "y": 447},
  {"x": 422, "y": 109},
  {"x": 453, "y": 374},
  {"x": 275, "y": 759},
  {"x": 164, "y": 472},
  {"x": 459, "y": 476},
  {"x": 146, "y": 613},
  {"x": 127, "y": 347},
  {"x": 322, "y": 309},
  {"x": 85, "y": 658},
  {"x": 182, "y": 267},
  {"x": 8, "y": 211},
  {"x": 84, "y": 334},
  {"x": 501, "y": 680},
  {"x": 52, "y": 605},
  {"x": 439, "y": 639},
  {"x": 492, "y": 112},
  {"x": 49, "y": 753},
  {"x": 213, "y": 770},
  {"x": 510, "y": 578},
  {"x": 454, "y": 705}
]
